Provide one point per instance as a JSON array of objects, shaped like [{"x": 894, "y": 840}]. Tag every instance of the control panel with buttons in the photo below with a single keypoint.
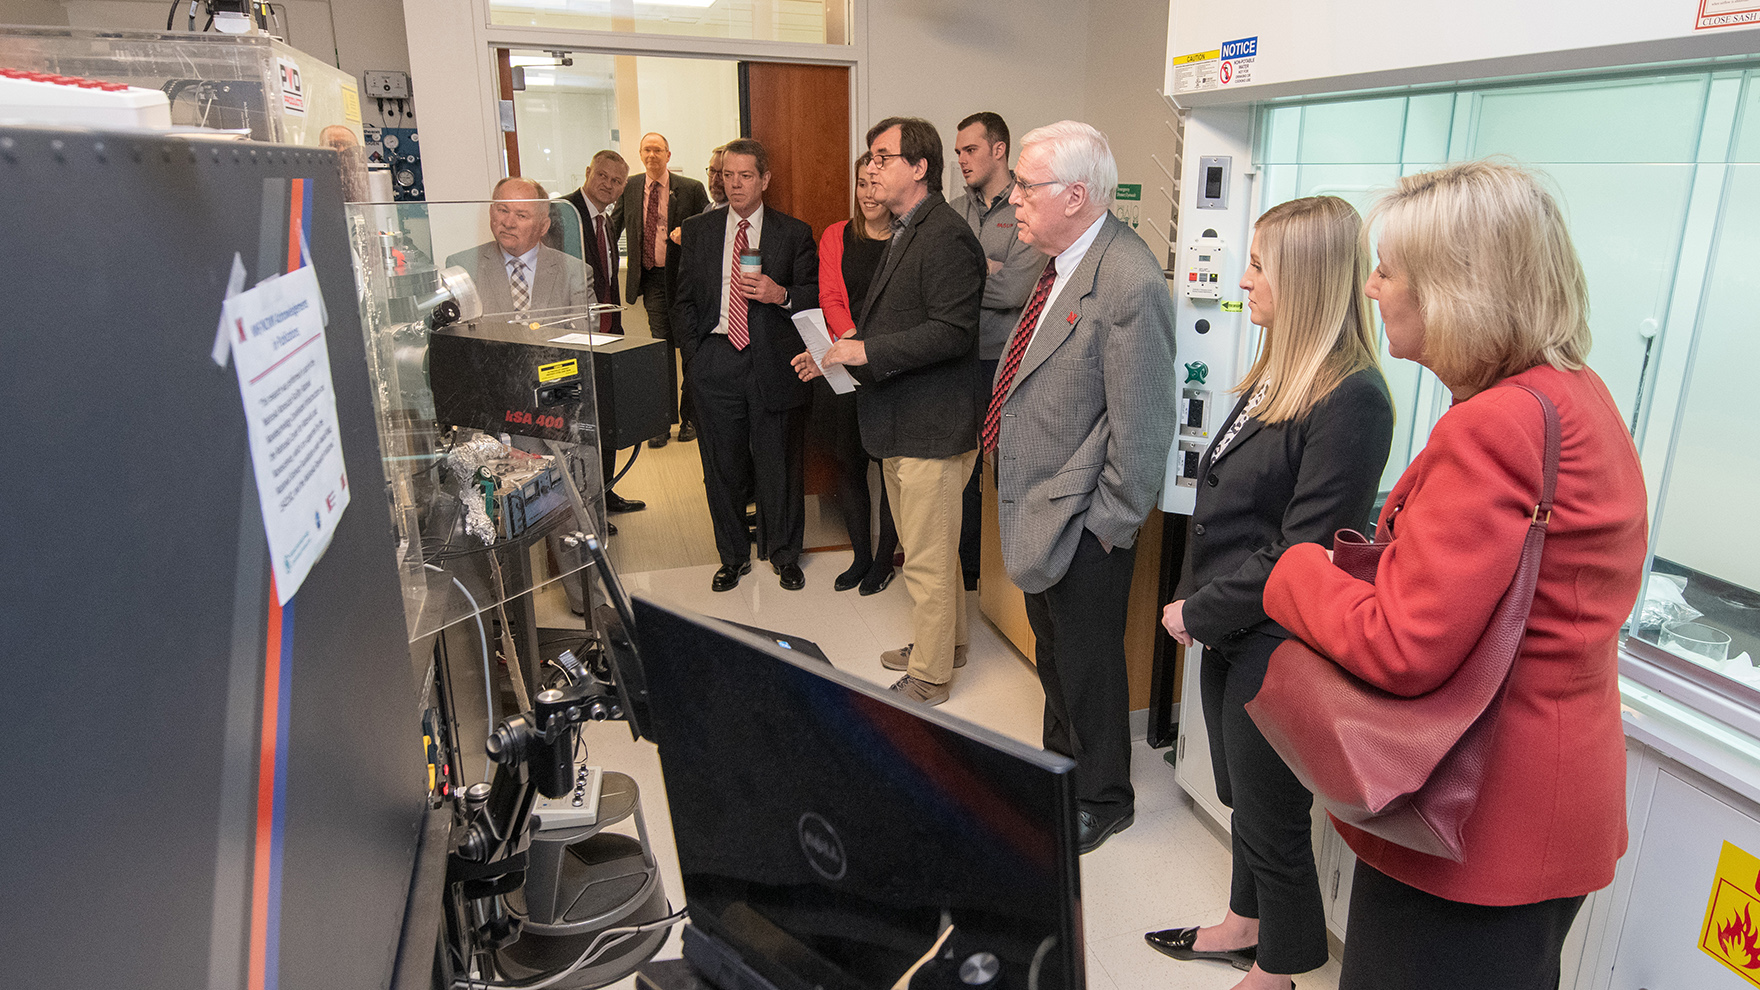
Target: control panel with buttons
[{"x": 578, "y": 808}]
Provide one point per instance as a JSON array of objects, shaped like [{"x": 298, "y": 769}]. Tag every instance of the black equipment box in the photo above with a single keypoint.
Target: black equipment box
[{"x": 508, "y": 378}]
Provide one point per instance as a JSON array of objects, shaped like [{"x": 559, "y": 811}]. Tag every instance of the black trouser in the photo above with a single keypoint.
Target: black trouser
[
  {"x": 1078, "y": 625},
  {"x": 748, "y": 450},
  {"x": 971, "y": 517},
  {"x": 1274, "y": 879},
  {"x": 1403, "y": 938},
  {"x": 658, "y": 302},
  {"x": 834, "y": 416}
]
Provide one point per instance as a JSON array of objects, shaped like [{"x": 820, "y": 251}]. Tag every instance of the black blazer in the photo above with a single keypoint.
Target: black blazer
[
  {"x": 921, "y": 392},
  {"x": 789, "y": 257},
  {"x": 685, "y": 199},
  {"x": 1275, "y": 486},
  {"x": 604, "y": 278}
]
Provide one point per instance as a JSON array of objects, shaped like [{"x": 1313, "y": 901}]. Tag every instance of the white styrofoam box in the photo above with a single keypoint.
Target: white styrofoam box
[{"x": 43, "y": 98}]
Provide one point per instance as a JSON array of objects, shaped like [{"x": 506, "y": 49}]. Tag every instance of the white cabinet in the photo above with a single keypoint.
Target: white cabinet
[{"x": 1192, "y": 767}]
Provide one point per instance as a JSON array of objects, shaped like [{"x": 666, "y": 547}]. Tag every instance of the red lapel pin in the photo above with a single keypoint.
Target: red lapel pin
[{"x": 1072, "y": 318}]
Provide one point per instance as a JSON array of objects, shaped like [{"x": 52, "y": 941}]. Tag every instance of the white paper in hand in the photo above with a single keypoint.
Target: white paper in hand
[{"x": 811, "y": 324}]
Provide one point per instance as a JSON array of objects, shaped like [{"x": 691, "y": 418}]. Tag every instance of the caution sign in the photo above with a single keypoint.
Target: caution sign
[
  {"x": 1732, "y": 918},
  {"x": 548, "y": 373}
]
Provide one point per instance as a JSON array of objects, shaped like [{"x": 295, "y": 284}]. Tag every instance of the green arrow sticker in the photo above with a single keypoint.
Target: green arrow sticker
[{"x": 1233, "y": 307}]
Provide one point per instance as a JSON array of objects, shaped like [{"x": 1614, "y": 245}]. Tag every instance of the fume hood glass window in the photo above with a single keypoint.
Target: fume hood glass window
[
  {"x": 1659, "y": 178},
  {"x": 820, "y": 22}
]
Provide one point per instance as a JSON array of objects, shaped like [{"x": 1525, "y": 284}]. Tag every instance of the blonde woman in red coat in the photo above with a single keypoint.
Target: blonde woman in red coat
[{"x": 1477, "y": 280}]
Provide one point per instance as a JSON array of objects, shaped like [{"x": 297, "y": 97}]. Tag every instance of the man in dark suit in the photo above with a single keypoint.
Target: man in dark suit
[
  {"x": 1081, "y": 415},
  {"x": 738, "y": 337},
  {"x": 653, "y": 204},
  {"x": 915, "y": 354},
  {"x": 594, "y": 200}
]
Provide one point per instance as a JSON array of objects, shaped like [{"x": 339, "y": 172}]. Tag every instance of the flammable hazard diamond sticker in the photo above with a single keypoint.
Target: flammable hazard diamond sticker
[{"x": 1732, "y": 918}]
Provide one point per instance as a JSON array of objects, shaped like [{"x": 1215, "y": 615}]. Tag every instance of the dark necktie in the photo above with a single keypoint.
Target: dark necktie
[
  {"x": 1017, "y": 349},
  {"x": 522, "y": 292},
  {"x": 736, "y": 303},
  {"x": 606, "y": 286},
  {"x": 651, "y": 225}
]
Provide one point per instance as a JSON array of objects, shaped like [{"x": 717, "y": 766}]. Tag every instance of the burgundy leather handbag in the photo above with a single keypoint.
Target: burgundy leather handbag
[{"x": 1407, "y": 769}]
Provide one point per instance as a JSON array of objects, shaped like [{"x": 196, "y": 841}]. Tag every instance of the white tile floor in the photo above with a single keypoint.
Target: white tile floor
[{"x": 1167, "y": 870}]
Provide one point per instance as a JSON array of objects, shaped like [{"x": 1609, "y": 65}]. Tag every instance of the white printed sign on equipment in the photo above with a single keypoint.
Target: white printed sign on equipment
[{"x": 277, "y": 335}]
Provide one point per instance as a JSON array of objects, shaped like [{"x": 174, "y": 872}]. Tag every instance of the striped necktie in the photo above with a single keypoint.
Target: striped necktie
[
  {"x": 1017, "y": 349},
  {"x": 737, "y": 304},
  {"x": 522, "y": 290}
]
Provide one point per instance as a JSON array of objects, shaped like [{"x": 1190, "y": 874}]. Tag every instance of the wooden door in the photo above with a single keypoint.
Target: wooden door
[{"x": 800, "y": 113}]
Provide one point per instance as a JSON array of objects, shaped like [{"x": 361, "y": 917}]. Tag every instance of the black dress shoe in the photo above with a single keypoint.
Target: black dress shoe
[
  {"x": 1092, "y": 830},
  {"x": 792, "y": 578},
  {"x": 659, "y": 441},
  {"x": 727, "y": 578},
  {"x": 687, "y": 433},
  {"x": 617, "y": 503},
  {"x": 877, "y": 580},
  {"x": 852, "y": 577},
  {"x": 1177, "y": 942}
]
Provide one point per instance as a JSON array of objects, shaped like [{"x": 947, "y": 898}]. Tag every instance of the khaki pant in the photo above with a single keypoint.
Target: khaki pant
[{"x": 925, "y": 494}]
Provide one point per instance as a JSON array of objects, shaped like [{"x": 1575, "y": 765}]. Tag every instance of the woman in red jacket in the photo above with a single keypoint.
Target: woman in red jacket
[
  {"x": 1478, "y": 281},
  {"x": 849, "y": 256}
]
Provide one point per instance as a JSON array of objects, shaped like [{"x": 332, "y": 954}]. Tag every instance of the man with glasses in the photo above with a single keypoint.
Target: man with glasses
[
  {"x": 653, "y": 204},
  {"x": 915, "y": 354},
  {"x": 735, "y": 326},
  {"x": 982, "y": 146},
  {"x": 1081, "y": 415}
]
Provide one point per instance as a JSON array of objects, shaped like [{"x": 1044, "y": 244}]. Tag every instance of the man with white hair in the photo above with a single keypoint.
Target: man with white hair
[{"x": 1081, "y": 415}]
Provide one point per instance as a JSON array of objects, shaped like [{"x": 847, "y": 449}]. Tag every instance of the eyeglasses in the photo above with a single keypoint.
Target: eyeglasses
[
  {"x": 880, "y": 158},
  {"x": 1027, "y": 187}
]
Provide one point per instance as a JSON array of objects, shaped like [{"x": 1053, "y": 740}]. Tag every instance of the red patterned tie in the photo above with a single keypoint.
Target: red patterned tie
[
  {"x": 736, "y": 303},
  {"x": 651, "y": 219},
  {"x": 1017, "y": 349}
]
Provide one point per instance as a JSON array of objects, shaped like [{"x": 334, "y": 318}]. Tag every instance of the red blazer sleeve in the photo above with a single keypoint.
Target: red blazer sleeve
[
  {"x": 833, "y": 294},
  {"x": 1457, "y": 530}
]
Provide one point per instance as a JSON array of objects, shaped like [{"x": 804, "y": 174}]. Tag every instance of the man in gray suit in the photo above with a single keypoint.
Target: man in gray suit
[
  {"x": 1081, "y": 415},
  {"x": 514, "y": 272}
]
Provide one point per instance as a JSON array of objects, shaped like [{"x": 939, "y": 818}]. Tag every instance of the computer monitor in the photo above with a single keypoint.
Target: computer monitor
[{"x": 830, "y": 834}]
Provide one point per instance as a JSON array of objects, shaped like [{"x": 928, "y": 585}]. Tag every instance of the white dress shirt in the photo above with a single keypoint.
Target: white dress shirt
[
  {"x": 753, "y": 234},
  {"x": 1066, "y": 263}
]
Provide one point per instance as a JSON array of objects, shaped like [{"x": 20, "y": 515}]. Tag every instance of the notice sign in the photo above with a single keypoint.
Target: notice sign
[
  {"x": 1237, "y": 59},
  {"x": 1727, "y": 13},
  {"x": 277, "y": 336},
  {"x": 1732, "y": 919}
]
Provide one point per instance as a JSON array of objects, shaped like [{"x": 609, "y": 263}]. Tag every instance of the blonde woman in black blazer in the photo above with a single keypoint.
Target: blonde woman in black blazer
[{"x": 1300, "y": 456}]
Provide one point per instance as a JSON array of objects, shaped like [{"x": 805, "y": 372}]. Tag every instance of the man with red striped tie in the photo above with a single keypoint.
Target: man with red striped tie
[
  {"x": 745, "y": 269},
  {"x": 1081, "y": 415}
]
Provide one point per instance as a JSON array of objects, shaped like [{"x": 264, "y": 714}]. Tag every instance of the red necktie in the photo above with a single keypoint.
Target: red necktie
[
  {"x": 605, "y": 288},
  {"x": 651, "y": 223},
  {"x": 736, "y": 303},
  {"x": 1017, "y": 349}
]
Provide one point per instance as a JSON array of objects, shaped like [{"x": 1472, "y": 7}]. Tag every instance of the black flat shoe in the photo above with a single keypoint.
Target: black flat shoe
[
  {"x": 1092, "y": 830},
  {"x": 792, "y": 578},
  {"x": 687, "y": 433},
  {"x": 852, "y": 577},
  {"x": 1177, "y": 942},
  {"x": 872, "y": 585},
  {"x": 727, "y": 578}
]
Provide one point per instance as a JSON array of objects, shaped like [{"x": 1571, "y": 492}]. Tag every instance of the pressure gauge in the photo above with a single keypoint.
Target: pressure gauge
[{"x": 390, "y": 142}]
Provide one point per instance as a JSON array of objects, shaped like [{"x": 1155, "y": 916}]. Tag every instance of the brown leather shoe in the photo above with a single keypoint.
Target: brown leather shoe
[
  {"x": 900, "y": 659},
  {"x": 920, "y": 691}
]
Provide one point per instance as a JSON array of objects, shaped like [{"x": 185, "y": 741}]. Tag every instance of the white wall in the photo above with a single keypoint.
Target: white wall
[
  {"x": 944, "y": 59},
  {"x": 1122, "y": 97},
  {"x": 1308, "y": 47}
]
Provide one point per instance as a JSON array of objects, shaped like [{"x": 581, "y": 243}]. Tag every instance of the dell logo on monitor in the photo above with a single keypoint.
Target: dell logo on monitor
[{"x": 823, "y": 849}]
